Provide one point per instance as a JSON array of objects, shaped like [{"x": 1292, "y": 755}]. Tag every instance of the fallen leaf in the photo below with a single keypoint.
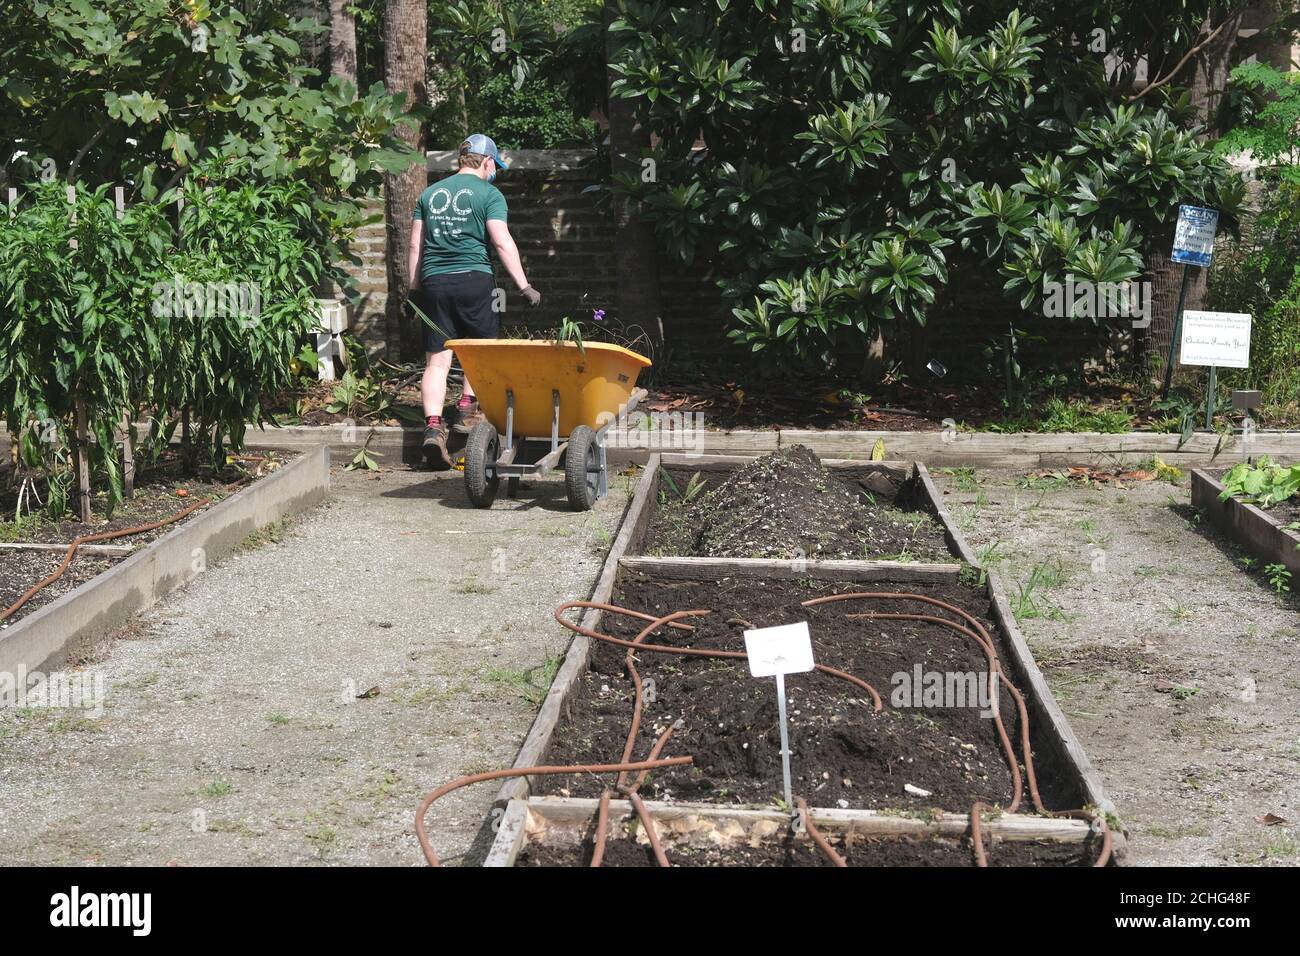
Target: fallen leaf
[{"x": 1270, "y": 820}]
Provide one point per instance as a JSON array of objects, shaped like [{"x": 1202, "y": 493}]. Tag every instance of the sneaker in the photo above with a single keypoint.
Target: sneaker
[
  {"x": 435, "y": 441},
  {"x": 467, "y": 416}
]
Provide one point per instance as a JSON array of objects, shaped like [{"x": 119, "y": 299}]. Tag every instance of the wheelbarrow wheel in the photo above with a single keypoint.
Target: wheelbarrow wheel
[
  {"x": 481, "y": 453},
  {"x": 582, "y": 468}
]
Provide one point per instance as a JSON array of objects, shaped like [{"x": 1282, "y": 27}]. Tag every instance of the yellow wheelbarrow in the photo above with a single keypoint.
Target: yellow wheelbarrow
[{"x": 534, "y": 392}]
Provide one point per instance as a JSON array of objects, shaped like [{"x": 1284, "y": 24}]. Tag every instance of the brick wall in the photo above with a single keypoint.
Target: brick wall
[
  {"x": 366, "y": 317},
  {"x": 566, "y": 241}
]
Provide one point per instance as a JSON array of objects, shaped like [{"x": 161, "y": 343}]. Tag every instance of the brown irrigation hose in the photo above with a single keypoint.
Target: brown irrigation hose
[
  {"x": 602, "y": 829},
  {"x": 822, "y": 843},
  {"x": 976, "y": 837},
  {"x": 648, "y": 822},
  {"x": 431, "y": 797},
  {"x": 89, "y": 539},
  {"x": 877, "y": 704},
  {"x": 630, "y": 663},
  {"x": 602, "y": 822},
  {"x": 986, "y": 642}
]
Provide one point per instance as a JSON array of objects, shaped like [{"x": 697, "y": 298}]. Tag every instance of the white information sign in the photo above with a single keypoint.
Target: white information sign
[
  {"x": 1220, "y": 339},
  {"x": 786, "y": 649}
]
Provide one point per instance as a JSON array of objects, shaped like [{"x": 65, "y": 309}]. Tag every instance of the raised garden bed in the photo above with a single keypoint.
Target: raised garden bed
[
  {"x": 843, "y": 749},
  {"x": 836, "y": 735},
  {"x": 550, "y": 831},
  {"x": 161, "y": 492},
  {"x": 123, "y": 585},
  {"x": 1262, "y": 533}
]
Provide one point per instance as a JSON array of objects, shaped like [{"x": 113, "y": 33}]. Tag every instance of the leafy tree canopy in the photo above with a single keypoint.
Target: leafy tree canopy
[{"x": 860, "y": 155}]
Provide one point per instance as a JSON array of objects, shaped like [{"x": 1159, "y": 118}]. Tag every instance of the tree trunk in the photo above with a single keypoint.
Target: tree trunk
[
  {"x": 1206, "y": 78},
  {"x": 1207, "y": 74},
  {"x": 405, "y": 43},
  {"x": 635, "y": 246},
  {"x": 343, "y": 41}
]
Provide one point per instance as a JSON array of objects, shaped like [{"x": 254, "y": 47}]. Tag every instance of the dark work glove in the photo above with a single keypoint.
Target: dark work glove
[{"x": 532, "y": 295}]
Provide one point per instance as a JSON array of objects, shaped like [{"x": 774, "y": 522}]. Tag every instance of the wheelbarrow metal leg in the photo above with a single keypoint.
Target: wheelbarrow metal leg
[
  {"x": 510, "y": 419},
  {"x": 604, "y": 469},
  {"x": 555, "y": 419}
]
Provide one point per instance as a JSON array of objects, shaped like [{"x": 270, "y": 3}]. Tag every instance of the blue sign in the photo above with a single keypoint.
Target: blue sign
[{"x": 1194, "y": 235}]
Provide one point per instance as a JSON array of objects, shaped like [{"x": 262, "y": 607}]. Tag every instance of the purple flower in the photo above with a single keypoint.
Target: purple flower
[{"x": 598, "y": 315}]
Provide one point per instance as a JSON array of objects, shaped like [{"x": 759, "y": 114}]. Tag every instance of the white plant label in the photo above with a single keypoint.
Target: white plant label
[
  {"x": 785, "y": 649},
  {"x": 775, "y": 652},
  {"x": 1221, "y": 339}
]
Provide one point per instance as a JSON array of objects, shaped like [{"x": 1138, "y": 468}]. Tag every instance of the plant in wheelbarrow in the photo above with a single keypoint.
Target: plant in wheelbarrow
[{"x": 548, "y": 404}]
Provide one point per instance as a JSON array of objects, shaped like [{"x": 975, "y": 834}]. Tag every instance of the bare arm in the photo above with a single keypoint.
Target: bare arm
[
  {"x": 413, "y": 254},
  {"x": 507, "y": 251}
]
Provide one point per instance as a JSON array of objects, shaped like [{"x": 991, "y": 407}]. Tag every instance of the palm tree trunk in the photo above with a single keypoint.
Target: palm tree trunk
[
  {"x": 1206, "y": 79},
  {"x": 343, "y": 41},
  {"x": 405, "y": 47}
]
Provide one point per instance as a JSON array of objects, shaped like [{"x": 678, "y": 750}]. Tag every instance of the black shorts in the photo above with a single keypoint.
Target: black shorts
[{"x": 459, "y": 304}]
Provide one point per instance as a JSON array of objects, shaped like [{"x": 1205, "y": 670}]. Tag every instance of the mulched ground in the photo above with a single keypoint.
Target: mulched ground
[
  {"x": 789, "y": 851},
  {"x": 845, "y": 754},
  {"x": 787, "y": 505},
  {"x": 160, "y": 492}
]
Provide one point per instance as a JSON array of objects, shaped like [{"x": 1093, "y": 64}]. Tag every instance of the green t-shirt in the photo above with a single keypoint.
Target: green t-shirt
[{"x": 455, "y": 212}]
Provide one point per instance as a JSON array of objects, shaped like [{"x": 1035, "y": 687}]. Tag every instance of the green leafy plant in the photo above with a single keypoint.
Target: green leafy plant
[
  {"x": 1270, "y": 125},
  {"x": 884, "y": 162},
  {"x": 1261, "y": 275},
  {"x": 1279, "y": 578},
  {"x": 76, "y": 328},
  {"x": 360, "y": 398},
  {"x": 1262, "y": 483}
]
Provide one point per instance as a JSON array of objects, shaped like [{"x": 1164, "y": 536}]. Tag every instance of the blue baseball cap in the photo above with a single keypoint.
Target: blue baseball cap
[{"x": 483, "y": 145}]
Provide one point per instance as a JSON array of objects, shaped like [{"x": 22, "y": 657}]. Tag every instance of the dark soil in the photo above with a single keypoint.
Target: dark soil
[
  {"x": 1284, "y": 512},
  {"x": 792, "y": 851},
  {"x": 844, "y": 753},
  {"x": 160, "y": 492},
  {"x": 787, "y": 505}
]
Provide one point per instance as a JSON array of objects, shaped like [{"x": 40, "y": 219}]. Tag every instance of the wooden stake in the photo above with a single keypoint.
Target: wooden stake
[
  {"x": 128, "y": 454},
  {"x": 72, "y": 215},
  {"x": 13, "y": 203},
  {"x": 128, "y": 458},
  {"x": 83, "y": 463}
]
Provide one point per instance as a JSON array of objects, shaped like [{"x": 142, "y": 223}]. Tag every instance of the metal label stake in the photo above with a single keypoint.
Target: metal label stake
[{"x": 775, "y": 652}]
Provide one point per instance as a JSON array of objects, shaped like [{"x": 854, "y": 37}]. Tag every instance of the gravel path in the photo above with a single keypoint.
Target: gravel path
[
  {"x": 1178, "y": 668},
  {"x": 232, "y": 731}
]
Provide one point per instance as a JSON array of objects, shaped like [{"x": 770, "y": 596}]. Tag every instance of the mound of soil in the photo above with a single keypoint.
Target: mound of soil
[
  {"x": 787, "y": 505},
  {"x": 844, "y": 753},
  {"x": 874, "y": 851}
]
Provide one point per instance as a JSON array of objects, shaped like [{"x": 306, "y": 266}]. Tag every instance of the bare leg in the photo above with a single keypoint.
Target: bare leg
[{"x": 433, "y": 386}]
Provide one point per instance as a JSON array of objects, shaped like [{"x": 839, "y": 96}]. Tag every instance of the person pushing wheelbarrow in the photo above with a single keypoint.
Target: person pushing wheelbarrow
[{"x": 450, "y": 270}]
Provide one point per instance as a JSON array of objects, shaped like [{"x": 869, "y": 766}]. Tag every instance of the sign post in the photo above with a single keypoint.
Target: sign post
[
  {"x": 1193, "y": 246},
  {"x": 1216, "y": 339},
  {"x": 775, "y": 652}
]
